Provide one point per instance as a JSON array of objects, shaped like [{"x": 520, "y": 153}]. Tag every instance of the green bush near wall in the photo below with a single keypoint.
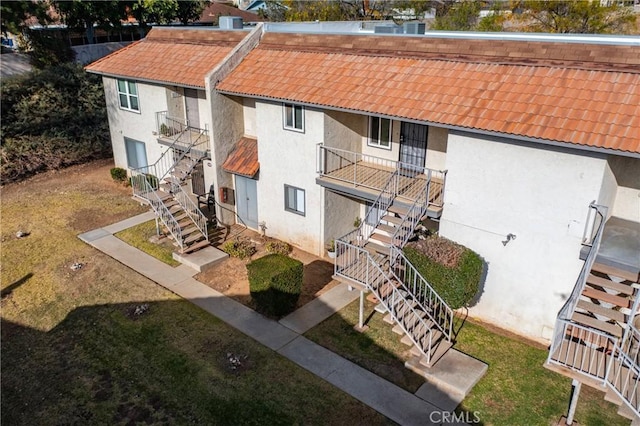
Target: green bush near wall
[
  {"x": 275, "y": 282},
  {"x": 457, "y": 285}
]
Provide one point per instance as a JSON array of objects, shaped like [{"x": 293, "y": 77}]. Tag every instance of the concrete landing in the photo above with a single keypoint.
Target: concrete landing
[
  {"x": 201, "y": 260},
  {"x": 450, "y": 380}
]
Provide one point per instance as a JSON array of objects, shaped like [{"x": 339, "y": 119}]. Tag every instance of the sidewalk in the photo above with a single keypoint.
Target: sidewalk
[{"x": 284, "y": 337}]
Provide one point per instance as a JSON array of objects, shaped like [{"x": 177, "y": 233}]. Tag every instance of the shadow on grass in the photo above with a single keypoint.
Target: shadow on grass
[{"x": 14, "y": 285}]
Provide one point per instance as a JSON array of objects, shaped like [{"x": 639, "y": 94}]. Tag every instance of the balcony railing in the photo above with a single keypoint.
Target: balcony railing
[
  {"x": 359, "y": 170},
  {"x": 176, "y": 131}
]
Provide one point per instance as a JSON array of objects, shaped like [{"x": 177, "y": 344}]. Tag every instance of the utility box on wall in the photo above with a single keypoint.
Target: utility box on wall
[{"x": 226, "y": 195}]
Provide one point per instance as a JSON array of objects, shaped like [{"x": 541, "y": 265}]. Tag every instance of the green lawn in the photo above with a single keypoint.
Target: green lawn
[
  {"x": 138, "y": 236},
  {"x": 517, "y": 389},
  {"x": 73, "y": 352}
]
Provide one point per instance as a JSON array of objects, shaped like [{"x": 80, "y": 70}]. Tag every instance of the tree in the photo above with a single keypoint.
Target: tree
[
  {"x": 575, "y": 16},
  {"x": 461, "y": 16},
  {"x": 190, "y": 11},
  {"x": 14, "y": 14},
  {"x": 84, "y": 15}
]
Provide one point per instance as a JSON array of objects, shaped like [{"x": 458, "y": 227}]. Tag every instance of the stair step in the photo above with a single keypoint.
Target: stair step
[
  {"x": 189, "y": 230},
  {"x": 616, "y": 272},
  {"x": 437, "y": 351},
  {"x": 606, "y": 283},
  {"x": 406, "y": 340},
  {"x": 380, "y": 237},
  {"x": 392, "y": 219},
  {"x": 175, "y": 208},
  {"x": 410, "y": 321},
  {"x": 193, "y": 237},
  {"x": 398, "y": 209},
  {"x": 172, "y": 179},
  {"x": 196, "y": 246},
  {"x": 388, "y": 319},
  {"x": 601, "y": 310},
  {"x": 386, "y": 228},
  {"x": 377, "y": 248},
  {"x": 385, "y": 290},
  {"x": 606, "y": 297},
  {"x": 613, "y": 329}
]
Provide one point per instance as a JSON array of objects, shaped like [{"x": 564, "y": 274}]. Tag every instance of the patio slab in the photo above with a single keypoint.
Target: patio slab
[{"x": 201, "y": 260}]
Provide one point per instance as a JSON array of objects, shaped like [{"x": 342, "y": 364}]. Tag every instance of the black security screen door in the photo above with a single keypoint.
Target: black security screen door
[{"x": 413, "y": 146}]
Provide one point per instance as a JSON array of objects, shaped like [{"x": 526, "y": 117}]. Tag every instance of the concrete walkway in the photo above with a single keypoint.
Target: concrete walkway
[{"x": 284, "y": 336}]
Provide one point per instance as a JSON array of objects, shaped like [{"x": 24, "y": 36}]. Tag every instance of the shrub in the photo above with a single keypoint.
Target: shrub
[
  {"x": 51, "y": 119},
  {"x": 275, "y": 282},
  {"x": 118, "y": 174},
  {"x": 458, "y": 284},
  {"x": 239, "y": 248},
  {"x": 278, "y": 247}
]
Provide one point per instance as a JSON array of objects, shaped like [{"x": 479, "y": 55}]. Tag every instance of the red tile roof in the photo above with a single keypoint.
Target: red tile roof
[
  {"x": 170, "y": 55},
  {"x": 243, "y": 160},
  {"x": 556, "y": 94}
]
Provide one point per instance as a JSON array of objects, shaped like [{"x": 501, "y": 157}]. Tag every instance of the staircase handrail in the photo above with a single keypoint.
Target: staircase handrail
[
  {"x": 411, "y": 219},
  {"x": 191, "y": 209},
  {"x": 342, "y": 248},
  {"x": 158, "y": 206},
  {"x": 619, "y": 359},
  {"x": 567, "y": 309},
  {"x": 437, "y": 309},
  {"x": 381, "y": 203},
  {"x": 167, "y": 162}
]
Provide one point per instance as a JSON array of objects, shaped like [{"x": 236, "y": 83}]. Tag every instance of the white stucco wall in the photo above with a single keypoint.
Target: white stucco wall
[
  {"x": 249, "y": 114},
  {"x": 539, "y": 194},
  {"x": 289, "y": 157},
  {"x": 627, "y": 174},
  {"x": 608, "y": 189},
  {"x": 203, "y": 110},
  {"x": 437, "y": 148},
  {"x": 134, "y": 125}
]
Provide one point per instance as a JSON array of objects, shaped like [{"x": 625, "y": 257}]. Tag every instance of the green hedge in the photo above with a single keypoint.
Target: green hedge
[
  {"x": 456, "y": 285},
  {"x": 275, "y": 282}
]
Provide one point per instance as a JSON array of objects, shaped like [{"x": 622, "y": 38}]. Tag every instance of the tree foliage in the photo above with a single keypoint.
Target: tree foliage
[
  {"x": 338, "y": 10},
  {"x": 575, "y": 16},
  {"x": 13, "y": 14},
  {"x": 51, "y": 119},
  {"x": 460, "y": 16}
]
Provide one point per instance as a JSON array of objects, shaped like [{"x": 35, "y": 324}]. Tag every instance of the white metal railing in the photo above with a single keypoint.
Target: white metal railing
[
  {"x": 191, "y": 209},
  {"x": 429, "y": 300},
  {"x": 583, "y": 349},
  {"x": 356, "y": 264},
  {"x": 379, "y": 206},
  {"x": 623, "y": 376},
  {"x": 409, "y": 222},
  {"x": 143, "y": 184},
  {"x": 368, "y": 171}
]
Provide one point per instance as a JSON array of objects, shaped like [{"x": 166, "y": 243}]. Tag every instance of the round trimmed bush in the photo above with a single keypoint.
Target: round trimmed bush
[{"x": 275, "y": 282}]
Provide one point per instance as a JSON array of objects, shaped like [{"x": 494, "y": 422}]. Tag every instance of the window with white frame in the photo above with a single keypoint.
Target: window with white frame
[
  {"x": 136, "y": 153},
  {"x": 294, "y": 117},
  {"x": 128, "y": 94},
  {"x": 294, "y": 200},
  {"x": 380, "y": 132}
]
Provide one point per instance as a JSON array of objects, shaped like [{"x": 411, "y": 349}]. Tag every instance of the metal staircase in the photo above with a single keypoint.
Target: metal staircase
[
  {"x": 596, "y": 339},
  {"x": 371, "y": 257},
  {"x": 161, "y": 185}
]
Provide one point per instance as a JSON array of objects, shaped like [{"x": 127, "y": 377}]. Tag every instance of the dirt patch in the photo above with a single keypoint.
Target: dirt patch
[{"x": 230, "y": 276}]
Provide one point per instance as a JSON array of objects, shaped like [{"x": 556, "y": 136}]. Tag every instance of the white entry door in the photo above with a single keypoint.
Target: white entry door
[{"x": 247, "y": 201}]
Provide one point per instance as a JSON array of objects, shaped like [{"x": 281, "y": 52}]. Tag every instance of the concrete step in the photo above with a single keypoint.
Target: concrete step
[
  {"x": 593, "y": 280},
  {"x": 195, "y": 237},
  {"x": 601, "y": 310},
  {"x": 584, "y": 319},
  {"x": 200, "y": 256},
  {"x": 616, "y": 272},
  {"x": 453, "y": 377}
]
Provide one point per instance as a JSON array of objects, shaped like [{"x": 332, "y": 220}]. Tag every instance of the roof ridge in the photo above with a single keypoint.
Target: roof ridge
[{"x": 461, "y": 58}]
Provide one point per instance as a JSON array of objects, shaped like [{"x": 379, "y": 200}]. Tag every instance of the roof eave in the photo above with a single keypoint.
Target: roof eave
[
  {"x": 449, "y": 126},
  {"x": 147, "y": 80}
]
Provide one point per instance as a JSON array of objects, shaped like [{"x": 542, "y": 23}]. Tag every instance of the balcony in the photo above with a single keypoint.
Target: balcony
[
  {"x": 364, "y": 177},
  {"x": 175, "y": 131}
]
